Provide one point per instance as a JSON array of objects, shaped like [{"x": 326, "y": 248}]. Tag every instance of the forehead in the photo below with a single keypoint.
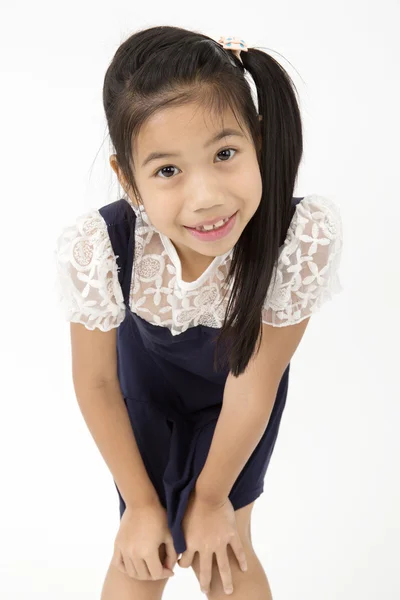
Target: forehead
[{"x": 190, "y": 123}]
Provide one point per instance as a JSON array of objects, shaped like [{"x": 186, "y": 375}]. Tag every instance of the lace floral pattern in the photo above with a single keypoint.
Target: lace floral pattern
[
  {"x": 308, "y": 264},
  {"x": 87, "y": 277},
  {"x": 89, "y": 291}
]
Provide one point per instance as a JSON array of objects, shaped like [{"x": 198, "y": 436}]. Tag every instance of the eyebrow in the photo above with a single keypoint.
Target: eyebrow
[{"x": 213, "y": 140}]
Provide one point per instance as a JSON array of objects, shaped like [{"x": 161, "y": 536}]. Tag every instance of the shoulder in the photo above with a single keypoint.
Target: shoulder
[
  {"x": 315, "y": 231},
  {"x": 306, "y": 272},
  {"x": 87, "y": 274},
  {"x": 84, "y": 231},
  {"x": 318, "y": 211}
]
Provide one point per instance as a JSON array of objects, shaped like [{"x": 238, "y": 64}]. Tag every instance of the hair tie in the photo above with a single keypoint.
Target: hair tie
[{"x": 235, "y": 44}]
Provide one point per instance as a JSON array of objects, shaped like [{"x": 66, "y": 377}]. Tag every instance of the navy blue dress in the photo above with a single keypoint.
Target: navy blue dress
[{"x": 174, "y": 396}]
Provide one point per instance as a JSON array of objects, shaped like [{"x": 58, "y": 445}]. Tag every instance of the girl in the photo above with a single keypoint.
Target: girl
[{"x": 187, "y": 299}]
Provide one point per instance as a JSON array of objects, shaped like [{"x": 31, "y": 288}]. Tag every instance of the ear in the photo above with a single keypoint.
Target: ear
[{"x": 116, "y": 168}]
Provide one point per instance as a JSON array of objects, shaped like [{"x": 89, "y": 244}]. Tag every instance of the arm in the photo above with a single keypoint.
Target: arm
[
  {"x": 95, "y": 307},
  {"x": 247, "y": 405},
  {"x": 102, "y": 405},
  {"x": 308, "y": 267}
]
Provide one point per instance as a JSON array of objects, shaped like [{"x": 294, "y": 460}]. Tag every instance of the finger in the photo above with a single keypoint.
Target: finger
[
  {"x": 186, "y": 559},
  {"x": 130, "y": 567},
  {"x": 205, "y": 571},
  {"x": 141, "y": 568},
  {"x": 117, "y": 560},
  {"x": 171, "y": 555},
  {"x": 239, "y": 552},
  {"x": 156, "y": 569},
  {"x": 225, "y": 570}
]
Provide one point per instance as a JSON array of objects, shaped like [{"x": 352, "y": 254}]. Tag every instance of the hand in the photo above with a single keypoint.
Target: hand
[
  {"x": 209, "y": 528},
  {"x": 136, "y": 548}
]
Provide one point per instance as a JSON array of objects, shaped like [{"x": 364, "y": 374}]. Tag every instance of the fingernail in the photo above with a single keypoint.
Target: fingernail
[
  {"x": 244, "y": 567},
  {"x": 229, "y": 590}
]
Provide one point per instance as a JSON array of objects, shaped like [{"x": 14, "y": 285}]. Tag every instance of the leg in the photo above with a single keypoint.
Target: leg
[
  {"x": 119, "y": 586},
  {"x": 252, "y": 583}
]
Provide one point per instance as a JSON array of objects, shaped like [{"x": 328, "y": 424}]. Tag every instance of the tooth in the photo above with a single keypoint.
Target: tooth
[{"x": 211, "y": 227}]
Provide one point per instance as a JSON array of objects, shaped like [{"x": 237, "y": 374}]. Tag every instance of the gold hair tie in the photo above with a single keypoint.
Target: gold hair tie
[{"x": 235, "y": 44}]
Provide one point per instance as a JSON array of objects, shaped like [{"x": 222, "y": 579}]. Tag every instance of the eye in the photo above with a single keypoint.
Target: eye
[
  {"x": 172, "y": 167},
  {"x": 226, "y": 150}
]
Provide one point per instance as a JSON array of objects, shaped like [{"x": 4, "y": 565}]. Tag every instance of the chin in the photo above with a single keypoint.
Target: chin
[{"x": 214, "y": 248}]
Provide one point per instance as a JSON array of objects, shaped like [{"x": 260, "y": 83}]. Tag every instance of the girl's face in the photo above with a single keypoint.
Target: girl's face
[{"x": 198, "y": 180}]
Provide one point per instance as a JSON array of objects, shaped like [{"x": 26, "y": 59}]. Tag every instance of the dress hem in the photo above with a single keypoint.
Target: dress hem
[{"x": 247, "y": 498}]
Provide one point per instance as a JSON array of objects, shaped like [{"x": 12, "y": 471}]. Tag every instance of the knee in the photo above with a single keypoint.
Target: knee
[{"x": 240, "y": 579}]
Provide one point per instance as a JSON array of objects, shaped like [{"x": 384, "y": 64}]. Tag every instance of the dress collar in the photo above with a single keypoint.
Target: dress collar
[
  {"x": 190, "y": 285},
  {"x": 173, "y": 255}
]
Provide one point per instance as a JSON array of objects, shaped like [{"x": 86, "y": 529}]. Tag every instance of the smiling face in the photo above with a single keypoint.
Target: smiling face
[{"x": 198, "y": 179}]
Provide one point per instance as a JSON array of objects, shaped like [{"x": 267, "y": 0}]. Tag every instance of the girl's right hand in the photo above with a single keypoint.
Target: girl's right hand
[{"x": 136, "y": 548}]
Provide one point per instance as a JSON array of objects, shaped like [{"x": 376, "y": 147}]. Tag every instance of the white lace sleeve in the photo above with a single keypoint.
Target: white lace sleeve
[
  {"x": 307, "y": 267},
  {"x": 86, "y": 284}
]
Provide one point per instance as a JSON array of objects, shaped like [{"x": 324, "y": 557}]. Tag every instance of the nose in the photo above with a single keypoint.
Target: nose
[{"x": 204, "y": 195}]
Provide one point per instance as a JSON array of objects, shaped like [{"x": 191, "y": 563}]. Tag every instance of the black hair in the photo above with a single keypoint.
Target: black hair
[{"x": 170, "y": 66}]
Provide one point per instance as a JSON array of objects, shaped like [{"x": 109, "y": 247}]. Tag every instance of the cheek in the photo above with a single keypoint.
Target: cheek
[
  {"x": 162, "y": 219},
  {"x": 249, "y": 184}
]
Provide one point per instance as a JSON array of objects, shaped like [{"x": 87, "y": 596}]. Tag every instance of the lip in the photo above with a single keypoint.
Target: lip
[
  {"x": 210, "y": 222},
  {"x": 216, "y": 234}
]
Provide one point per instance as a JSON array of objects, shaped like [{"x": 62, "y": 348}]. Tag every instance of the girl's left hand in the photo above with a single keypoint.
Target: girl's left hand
[{"x": 209, "y": 528}]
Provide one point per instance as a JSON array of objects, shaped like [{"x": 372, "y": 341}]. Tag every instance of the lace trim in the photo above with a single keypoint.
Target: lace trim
[
  {"x": 87, "y": 283},
  {"x": 89, "y": 290},
  {"x": 307, "y": 269}
]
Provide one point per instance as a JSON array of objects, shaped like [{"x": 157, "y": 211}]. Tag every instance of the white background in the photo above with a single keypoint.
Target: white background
[{"x": 327, "y": 525}]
